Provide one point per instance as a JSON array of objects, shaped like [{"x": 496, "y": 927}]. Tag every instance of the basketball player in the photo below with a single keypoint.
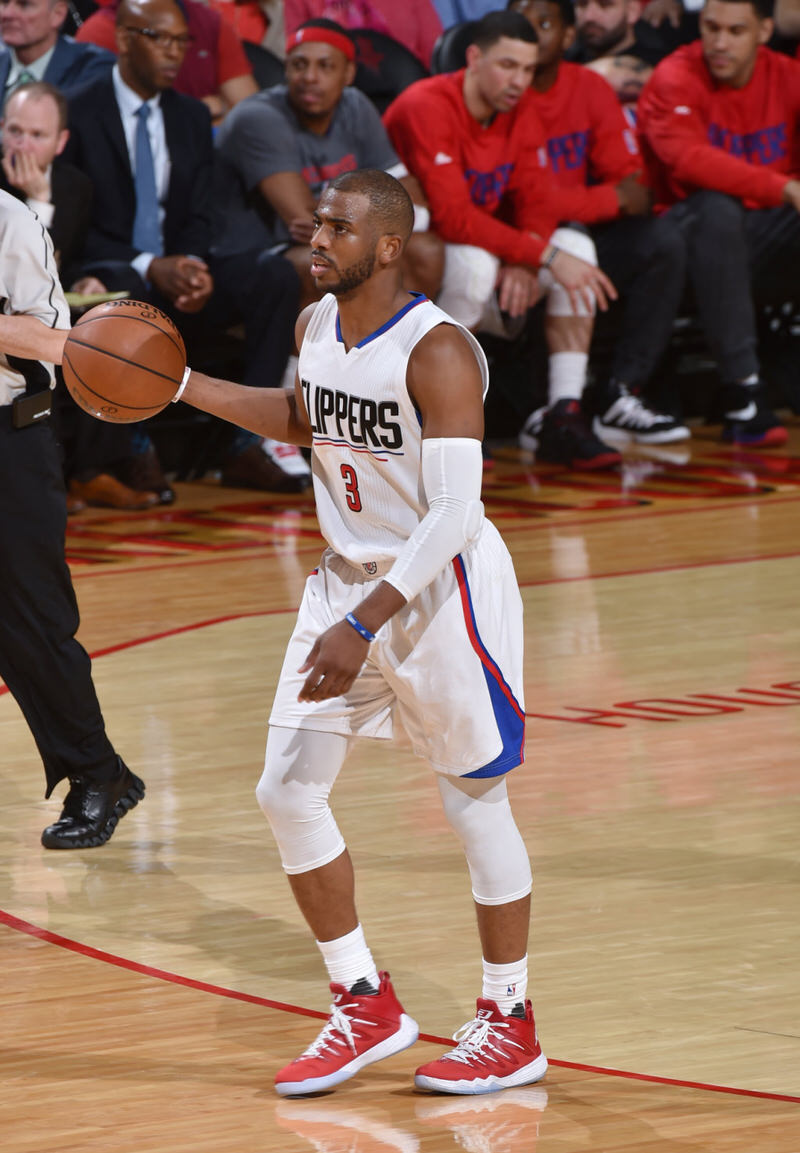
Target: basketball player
[
  {"x": 45, "y": 668},
  {"x": 389, "y": 396}
]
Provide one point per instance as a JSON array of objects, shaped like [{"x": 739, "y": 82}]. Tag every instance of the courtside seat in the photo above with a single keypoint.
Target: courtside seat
[
  {"x": 384, "y": 67},
  {"x": 450, "y": 50}
]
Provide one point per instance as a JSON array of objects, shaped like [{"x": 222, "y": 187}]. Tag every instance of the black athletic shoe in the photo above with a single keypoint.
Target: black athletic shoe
[
  {"x": 561, "y": 435},
  {"x": 747, "y": 420},
  {"x": 628, "y": 419},
  {"x": 92, "y": 811}
]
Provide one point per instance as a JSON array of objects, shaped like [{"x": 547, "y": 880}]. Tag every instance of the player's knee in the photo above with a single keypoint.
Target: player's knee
[
  {"x": 469, "y": 278},
  {"x": 576, "y": 243},
  {"x": 716, "y": 213}
]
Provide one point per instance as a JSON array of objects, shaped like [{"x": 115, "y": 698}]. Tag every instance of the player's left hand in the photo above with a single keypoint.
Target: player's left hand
[{"x": 333, "y": 663}]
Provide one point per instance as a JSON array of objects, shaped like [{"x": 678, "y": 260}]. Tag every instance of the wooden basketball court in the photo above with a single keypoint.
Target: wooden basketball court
[{"x": 152, "y": 987}]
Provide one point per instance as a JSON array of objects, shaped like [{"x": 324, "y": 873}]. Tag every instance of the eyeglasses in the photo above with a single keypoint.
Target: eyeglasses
[{"x": 162, "y": 39}]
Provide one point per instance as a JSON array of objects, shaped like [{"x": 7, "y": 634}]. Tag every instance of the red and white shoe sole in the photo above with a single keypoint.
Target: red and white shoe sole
[
  {"x": 534, "y": 1071},
  {"x": 405, "y": 1036}
]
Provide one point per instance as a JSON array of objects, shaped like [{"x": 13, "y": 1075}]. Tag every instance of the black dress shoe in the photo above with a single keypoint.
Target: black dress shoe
[{"x": 92, "y": 811}]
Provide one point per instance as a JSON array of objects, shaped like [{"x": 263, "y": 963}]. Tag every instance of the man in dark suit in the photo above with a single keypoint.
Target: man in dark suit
[
  {"x": 33, "y": 48},
  {"x": 134, "y": 122}
]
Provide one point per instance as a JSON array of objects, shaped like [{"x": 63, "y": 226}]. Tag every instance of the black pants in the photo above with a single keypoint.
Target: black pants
[
  {"x": 645, "y": 257},
  {"x": 737, "y": 259},
  {"x": 45, "y": 668}
]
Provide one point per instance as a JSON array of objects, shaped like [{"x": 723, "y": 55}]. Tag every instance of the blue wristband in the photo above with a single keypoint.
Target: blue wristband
[{"x": 357, "y": 625}]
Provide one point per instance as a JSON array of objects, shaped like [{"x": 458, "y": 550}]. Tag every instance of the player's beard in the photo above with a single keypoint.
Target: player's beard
[{"x": 353, "y": 277}]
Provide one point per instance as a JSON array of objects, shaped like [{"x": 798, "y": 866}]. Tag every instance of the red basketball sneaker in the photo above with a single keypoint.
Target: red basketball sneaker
[
  {"x": 493, "y": 1052},
  {"x": 362, "y": 1028}
]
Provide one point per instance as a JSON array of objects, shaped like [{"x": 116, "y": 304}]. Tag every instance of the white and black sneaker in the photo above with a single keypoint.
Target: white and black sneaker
[{"x": 628, "y": 419}]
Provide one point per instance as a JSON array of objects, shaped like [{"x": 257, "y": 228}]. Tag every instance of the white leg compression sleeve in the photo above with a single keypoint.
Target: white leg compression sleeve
[
  {"x": 576, "y": 244},
  {"x": 479, "y": 813},
  {"x": 300, "y": 768}
]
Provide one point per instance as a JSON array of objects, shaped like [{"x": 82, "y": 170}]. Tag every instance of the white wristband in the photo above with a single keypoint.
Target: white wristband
[
  {"x": 186, "y": 374},
  {"x": 422, "y": 218}
]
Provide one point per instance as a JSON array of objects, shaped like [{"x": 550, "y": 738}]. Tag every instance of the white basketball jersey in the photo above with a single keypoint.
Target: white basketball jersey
[{"x": 366, "y": 455}]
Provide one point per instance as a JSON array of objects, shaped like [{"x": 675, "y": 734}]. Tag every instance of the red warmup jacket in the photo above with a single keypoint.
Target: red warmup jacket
[
  {"x": 696, "y": 133},
  {"x": 590, "y": 145},
  {"x": 489, "y": 186}
]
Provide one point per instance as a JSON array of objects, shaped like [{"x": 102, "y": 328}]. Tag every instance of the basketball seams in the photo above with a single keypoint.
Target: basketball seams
[
  {"x": 141, "y": 411},
  {"x": 137, "y": 319},
  {"x": 124, "y": 360}
]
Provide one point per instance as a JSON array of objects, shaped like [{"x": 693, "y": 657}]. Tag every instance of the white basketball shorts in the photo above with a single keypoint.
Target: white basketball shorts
[{"x": 449, "y": 663}]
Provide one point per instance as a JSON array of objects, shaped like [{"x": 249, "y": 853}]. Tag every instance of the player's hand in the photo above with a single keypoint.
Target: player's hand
[
  {"x": 24, "y": 173},
  {"x": 583, "y": 281},
  {"x": 791, "y": 194},
  {"x": 659, "y": 11},
  {"x": 517, "y": 289},
  {"x": 333, "y": 663},
  {"x": 634, "y": 197}
]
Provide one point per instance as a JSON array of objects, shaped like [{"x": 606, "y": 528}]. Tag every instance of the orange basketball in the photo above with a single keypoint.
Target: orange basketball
[{"x": 123, "y": 361}]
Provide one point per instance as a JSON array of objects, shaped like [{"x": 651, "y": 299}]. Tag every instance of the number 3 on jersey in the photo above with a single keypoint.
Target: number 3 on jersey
[{"x": 351, "y": 487}]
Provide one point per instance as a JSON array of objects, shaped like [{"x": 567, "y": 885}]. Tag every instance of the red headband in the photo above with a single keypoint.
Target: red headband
[{"x": 327, "y": 36}]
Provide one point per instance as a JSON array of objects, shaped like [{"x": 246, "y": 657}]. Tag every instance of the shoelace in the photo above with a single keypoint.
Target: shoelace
[
  {"x": 634, "y": 411},
  {"x": 475, "y": 1037},
  {"x": 338, "y": 1023}
]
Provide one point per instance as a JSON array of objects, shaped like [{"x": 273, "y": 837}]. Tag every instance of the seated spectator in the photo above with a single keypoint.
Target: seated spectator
[
  {"x": 414, "y": 23},
  {"x": 34, "y": 128},
  {"x": 593, "y": 153},
  {"x": 214, "y": 68},
  {"x": 475, "y": 142},
  {"x": 718, "y": 126},
  {"x": 627, "y": 75},
  {"x": 277, "y": 150},
  {"x": 34, "y": 48},
  {"x": 613, "y": 28},
  {"x": 150, "y": 234}
]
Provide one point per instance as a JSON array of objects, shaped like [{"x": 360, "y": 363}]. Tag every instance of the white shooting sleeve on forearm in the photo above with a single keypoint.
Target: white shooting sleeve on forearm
[{"x": 452, "y": 473}]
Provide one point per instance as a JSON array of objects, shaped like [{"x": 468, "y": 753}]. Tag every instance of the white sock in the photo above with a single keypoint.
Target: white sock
[
  {"x": 348, "y": 960},
  {"x": 566, "y": 375},
  {"x": 506, "y": 985}
]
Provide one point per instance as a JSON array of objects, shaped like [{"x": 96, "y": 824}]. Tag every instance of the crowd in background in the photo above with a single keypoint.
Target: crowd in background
[{"x": 583, "y": 176}]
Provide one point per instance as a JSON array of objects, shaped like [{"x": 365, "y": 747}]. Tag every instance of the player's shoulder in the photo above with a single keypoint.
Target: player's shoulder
[
  {"x": 685, "y": 65},
  {"x": 269, "y": 106},
  {"x": 445, "y": 346},
  {"x": 312, "y": 316},
  {"x": 441, "y": 90}
]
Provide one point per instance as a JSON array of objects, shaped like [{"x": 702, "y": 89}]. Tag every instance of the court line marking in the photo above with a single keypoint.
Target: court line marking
[{"x": 17, "y": 924}]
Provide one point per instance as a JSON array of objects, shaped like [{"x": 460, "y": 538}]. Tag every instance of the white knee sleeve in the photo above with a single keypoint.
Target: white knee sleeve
[
  {"x": 470, "y": 275},
  {"x": 479, "y": 812},
  {"x": 576, "y": 244},
  {"x": 299, "y": 770}
]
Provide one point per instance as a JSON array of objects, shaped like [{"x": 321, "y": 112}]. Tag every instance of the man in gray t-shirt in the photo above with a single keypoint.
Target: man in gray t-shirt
[{"x": 279, "y": 148}]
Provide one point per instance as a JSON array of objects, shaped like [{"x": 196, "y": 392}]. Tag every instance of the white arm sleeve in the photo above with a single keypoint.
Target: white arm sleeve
[{"x": 452, "y": 472}]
